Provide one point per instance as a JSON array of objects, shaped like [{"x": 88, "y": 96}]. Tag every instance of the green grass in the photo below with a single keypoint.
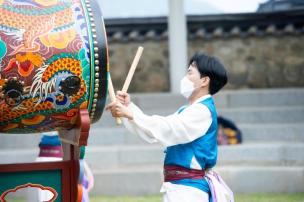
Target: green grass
[
  {"x": 270, "y": 198},
  {"x": 238, "y": 198}
]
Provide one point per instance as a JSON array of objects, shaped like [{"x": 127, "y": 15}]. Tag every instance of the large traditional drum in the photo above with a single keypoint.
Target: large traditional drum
[{"x": 53, "y": 62}]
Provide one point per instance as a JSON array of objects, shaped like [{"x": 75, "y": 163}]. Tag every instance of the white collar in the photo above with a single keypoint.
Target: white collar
[{"x": 204, "y": 97}]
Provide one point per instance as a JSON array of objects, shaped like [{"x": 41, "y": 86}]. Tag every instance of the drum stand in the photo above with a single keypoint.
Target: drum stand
[
  {"x": 72, "y": 140},
  {"x": 67, "y": 171}
]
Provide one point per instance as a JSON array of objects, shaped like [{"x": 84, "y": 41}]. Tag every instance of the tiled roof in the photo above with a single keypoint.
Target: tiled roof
[
  {"x": 280, "y": 5},
  {"x": 209, "y": 26}
]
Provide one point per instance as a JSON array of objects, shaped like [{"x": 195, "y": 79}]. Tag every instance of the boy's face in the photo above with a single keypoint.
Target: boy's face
[{"x": 194, "y": 75}]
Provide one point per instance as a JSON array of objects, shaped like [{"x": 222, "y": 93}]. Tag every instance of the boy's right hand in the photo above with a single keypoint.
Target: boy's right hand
[
  {"x": 119, "y": 110},
  {"x": 123, "y": 98}
]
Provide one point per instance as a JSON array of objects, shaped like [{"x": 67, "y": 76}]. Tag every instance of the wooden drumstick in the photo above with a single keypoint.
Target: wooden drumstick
[
  {"x": 128, "y": 79},
  {"x": 132, "y": 69},
  {"x": 113, "y": 96}
]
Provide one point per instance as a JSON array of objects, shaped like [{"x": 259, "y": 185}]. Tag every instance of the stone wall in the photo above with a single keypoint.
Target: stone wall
[{"x": 252, "y": 62}]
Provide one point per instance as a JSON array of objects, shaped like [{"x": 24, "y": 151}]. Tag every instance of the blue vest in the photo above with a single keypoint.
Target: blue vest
[{"x": 204, "y": 149}]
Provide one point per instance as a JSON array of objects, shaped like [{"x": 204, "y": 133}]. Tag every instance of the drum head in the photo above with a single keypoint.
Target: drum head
[{"x": 53, "y": 62}]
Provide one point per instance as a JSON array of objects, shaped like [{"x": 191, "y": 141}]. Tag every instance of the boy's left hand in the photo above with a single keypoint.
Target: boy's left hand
[{"x": 119, "y": 110}]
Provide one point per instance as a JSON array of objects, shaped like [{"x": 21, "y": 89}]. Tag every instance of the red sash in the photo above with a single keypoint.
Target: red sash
[{"x": 174, "y": 172}]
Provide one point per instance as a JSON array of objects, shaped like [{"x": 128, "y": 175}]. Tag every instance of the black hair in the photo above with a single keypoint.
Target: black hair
[{"x": 213, "y": 68}]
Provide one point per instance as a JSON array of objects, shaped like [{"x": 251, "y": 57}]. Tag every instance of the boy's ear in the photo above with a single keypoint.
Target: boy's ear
[{"x": 205, "y": 81}]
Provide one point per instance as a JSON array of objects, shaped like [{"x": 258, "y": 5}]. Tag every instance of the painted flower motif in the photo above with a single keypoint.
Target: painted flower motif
[
  {"x": 46, "y": 2},
  {"x": 35, "y": 120},
  {"x": 2, "y": 82},
  {"x": 25, "y": 63},
  {"x": 70, "y": 116},
  {"x": 84, "y": 105},
  {"x": 58, "y": 40},
  {"x": 9, "y": 126}
]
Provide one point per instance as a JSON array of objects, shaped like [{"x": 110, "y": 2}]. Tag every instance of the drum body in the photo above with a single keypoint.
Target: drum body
[{"x": 53, "y": 62}]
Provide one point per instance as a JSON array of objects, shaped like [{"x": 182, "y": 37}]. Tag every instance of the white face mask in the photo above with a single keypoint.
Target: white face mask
[{"x": 186, "y": 87}]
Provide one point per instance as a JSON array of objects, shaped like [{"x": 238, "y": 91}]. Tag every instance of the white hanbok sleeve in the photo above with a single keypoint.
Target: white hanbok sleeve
[{"x": 178, "y": 128}]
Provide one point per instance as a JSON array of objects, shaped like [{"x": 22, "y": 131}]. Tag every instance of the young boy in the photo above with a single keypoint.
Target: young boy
[{"x": 189, "y": 134}]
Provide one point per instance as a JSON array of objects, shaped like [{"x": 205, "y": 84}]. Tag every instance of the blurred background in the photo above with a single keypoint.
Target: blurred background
[{"x": 260, "y": 42}]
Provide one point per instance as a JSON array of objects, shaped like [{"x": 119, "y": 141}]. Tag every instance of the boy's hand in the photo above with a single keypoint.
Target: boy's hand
[
  {"x": 123, "y": 98},
  {"x": 119, "y": 110}
]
